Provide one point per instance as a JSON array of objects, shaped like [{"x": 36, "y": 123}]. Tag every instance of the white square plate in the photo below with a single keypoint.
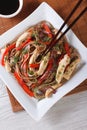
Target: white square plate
[{"x": 37, "y": 109}]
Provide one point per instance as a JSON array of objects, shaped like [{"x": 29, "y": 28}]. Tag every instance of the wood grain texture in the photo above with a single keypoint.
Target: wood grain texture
[
  {"x": 63, "y": 8},
  {"x": 14, "y": 103}
]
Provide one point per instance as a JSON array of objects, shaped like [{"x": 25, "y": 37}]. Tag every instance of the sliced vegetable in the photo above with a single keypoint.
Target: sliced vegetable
[
  {"x": 46, "y": 27},
  {"x": 30, "y": 72},
  {"x": 23, "y": 85},
  {"x": 16, "y": 58},
  {"x": 67, "y": 48},
  {"x": 10, "y": 47},
  {"x": 34, "y": 65}
]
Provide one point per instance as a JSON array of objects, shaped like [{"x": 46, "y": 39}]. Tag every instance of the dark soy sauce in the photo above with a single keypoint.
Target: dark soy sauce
[{"x": 8, "y": 7}]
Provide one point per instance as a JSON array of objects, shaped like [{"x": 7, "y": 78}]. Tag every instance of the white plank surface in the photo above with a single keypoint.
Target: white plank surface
[{"x": 70, "y": 113}]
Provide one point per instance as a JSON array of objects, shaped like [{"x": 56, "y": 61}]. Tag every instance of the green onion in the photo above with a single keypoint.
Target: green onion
[
  {"x": 46, "y": 39},
  {"x": 25, "y": 51},
  {"x": 16, "y": 58},
  {"x": 37, "y": 43},
  {"x": 30, "y": 72}
]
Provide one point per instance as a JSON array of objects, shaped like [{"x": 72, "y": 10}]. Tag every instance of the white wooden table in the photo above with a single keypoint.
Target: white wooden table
[{"x": 70, "y": 113}]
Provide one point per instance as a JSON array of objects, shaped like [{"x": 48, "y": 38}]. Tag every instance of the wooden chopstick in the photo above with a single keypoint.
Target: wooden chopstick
[
  {"x": 54, "y": 40},
  {"x": 67, "y": 19}
]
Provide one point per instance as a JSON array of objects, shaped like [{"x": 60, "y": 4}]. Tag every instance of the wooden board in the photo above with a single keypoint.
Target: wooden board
[{"x": 63, "y": 8}]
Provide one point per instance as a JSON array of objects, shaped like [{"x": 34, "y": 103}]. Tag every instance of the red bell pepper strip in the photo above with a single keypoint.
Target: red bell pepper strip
[
  {"x": 23, "y": 85},
  {"x": 46, "y": 27},
  {"x": 10, "y": 47},
  {"x": 46, "y": 73},
  {"x": 33, "y": 85},
  {"x": 67, "y": 49},
  {"x": 23, "y": 44},
  {"x": 34, "y": 65}
]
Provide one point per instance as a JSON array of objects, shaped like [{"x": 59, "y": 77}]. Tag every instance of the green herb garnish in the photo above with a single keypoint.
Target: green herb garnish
[
  {"x": 30, "y": 72},
  {"x": 16, "y": 58},
  {"x": 46, "y": 39},
  {"x": 25, "y": 51},
  {"x": 37, "y": 43}
]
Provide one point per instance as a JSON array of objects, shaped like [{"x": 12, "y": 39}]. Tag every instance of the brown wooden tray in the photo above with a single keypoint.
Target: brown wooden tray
[{"x": 80, "y": 29}]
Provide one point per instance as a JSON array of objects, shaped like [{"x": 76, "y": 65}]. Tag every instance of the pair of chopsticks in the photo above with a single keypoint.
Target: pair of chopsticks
[{"x": 55, "y": 40}]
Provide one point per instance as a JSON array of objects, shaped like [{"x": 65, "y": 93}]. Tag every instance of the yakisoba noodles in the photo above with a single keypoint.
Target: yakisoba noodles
[{"x": 40, "y": 77}]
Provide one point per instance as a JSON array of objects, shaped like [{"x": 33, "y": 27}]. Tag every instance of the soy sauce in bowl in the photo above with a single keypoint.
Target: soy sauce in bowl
[{"x": 8, "y": 7}]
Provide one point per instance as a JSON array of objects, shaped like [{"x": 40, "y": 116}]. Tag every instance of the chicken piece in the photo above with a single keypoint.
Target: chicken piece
[
  {"x": 22, "y": 38},
  {"x": 34, "y": 56},
  {"x": 62, "y": 65},
  {"x": 43, "y": 64},
  {"x": 50, "y": 90},
  {"x": 70, "y": 69}
]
